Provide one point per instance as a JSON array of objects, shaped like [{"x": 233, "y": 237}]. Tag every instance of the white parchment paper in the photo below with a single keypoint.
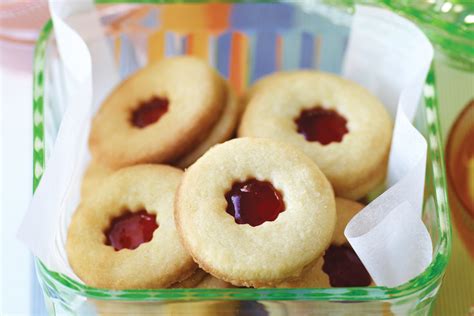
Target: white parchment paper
[
  {"x": 386, "y": 54},
  {"x": 391, "y": 57},
  {"x": 44, "y": 227}
]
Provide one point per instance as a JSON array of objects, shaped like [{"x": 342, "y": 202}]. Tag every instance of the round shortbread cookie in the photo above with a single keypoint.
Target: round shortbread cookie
[
  {"x": 354, "y": 164},
  {"x": 315, "y": 276},
  {"x": 222, "y": 131},
  {"x": 157, "y": 263},
  {"x": 157, "y": 114},
  {"x": 269, "y": 252}
]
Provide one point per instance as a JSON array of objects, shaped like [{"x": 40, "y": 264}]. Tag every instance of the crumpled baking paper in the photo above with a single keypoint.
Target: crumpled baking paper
[
  {"x": 391, "y": 57},
  {"x": 386, "y": 54},
  {"x": 44, "y": 228}
]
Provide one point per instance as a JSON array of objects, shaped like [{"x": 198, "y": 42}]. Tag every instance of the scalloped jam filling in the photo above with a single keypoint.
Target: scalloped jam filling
[
  {"x": 130, "y": 230},
  {"x": 344, "y": 267},
  {"x": 254, "y": 202},
  {"x": 321, "y": 125},
  {"x": 149, "y": 112}
]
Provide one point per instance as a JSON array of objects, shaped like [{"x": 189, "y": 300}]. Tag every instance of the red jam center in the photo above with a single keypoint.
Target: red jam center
[
  {"x": 149, "y": 112},
  {"x": 254, "y": 202},
  {"x": 130, "y": 230},
  {"x": 321, "y": 125},
  {"x": 344, "y": 267}
]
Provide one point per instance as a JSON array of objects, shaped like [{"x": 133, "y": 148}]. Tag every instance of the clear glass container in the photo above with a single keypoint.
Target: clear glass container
[
  {"x": 450, "y": 27},
  {"x": 243, "y": 45}
]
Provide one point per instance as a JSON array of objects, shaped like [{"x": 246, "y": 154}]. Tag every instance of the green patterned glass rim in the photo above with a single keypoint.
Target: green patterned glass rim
[
  {"x": 427, "y": 281},
  {"x": 453, "y": 39}
]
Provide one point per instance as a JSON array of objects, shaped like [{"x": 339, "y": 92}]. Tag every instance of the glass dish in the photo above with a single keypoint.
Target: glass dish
[{"x": 243, "y": 46}]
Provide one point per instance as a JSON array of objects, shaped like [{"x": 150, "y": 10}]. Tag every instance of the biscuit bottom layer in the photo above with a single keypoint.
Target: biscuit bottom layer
[
  {"x": 130, "y": 230},
  {"x": 149, "y": 112},
  {"x": 344, "y": 267},
  {"x": 254, "y": 202},
  {"x": 321, "y": 125}
]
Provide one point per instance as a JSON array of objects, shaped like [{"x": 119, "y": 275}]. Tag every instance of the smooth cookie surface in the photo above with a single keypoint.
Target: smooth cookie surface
[
  {"x": 195, "y": 97},
  {"x": 155, "y": 264},
  {"x": 314, "y": 276},
  {"x": 268, "y": 253},
  {"x": 222, "y": 131},
  {"x": 357, "y": 163},
  {"x": 92, "y": 179}
]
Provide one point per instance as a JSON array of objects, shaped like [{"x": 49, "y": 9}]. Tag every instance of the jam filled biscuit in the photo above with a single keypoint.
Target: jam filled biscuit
[
  {"x": 336, "y": 122},
  {"x": 340, "y": 266},
  {"x": 254, "y": 212},
  {"x": 222, "y": 131},
  {"x": 158, "y": 114},
  {"x": 124, "y": 236}
]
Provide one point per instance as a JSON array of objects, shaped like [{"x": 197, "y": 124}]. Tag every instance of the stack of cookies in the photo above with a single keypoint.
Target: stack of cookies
[{"x": 255, "y": 211}]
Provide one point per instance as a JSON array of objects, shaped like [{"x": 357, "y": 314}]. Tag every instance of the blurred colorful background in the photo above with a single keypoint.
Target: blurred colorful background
[{"x": 449, "y": 24}]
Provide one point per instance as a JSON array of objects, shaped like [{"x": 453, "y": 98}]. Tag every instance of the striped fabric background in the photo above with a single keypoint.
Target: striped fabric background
[{"x": 244, "y": 42}]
